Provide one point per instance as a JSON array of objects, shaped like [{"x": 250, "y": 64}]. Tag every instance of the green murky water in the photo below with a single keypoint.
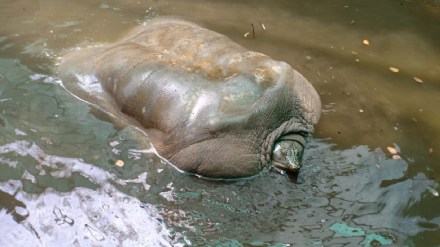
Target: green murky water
[{"x": 59, "y": 185}]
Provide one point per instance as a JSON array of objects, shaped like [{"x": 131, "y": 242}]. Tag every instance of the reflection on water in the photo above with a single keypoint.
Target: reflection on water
[
  {"x": 81, "y": 217},
  {"x": 58, "y": 178}
]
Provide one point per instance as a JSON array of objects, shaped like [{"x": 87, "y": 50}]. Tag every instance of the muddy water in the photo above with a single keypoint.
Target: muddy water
[{"x": 59, "y": 184}]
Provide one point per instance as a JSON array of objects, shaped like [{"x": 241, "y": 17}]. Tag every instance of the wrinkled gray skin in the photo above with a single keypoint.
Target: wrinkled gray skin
[{"x": 209, "y": 106}]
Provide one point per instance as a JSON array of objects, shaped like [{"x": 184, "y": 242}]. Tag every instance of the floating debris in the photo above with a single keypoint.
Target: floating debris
[
  {"x": 396, "y": 157},
  {"x": 433, "y": 191},
  {"x": 366, "y": 42},
  {"x": 393, "y": 69},
  {"x": 392, "y": 150},
  {"x": 246, "y": 34},
  {"x": 418, "y": 79},
  {"x": 430, "y": 150},
  {"x": 262, "y": 25},
  {"x": 20, "y": 132},
  {"x": 104, "y": 6},
  {"x": 47, "y": 140},
  {"x": 119, "y": 163}
]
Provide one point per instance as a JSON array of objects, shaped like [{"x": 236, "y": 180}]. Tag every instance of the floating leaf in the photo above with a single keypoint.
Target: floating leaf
[
  {"x": 366, "y": 42},
  {"x": 393, "y": 69}
]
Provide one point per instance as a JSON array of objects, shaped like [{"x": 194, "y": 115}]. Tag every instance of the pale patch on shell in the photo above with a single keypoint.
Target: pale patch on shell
[
  {"x": 259, "y": 78},
  {"x": 276, "y": 69},
  {"x": 260, "y": 75},
  {"x": 115, "y": 87},
  {"x": 232, "y": 97}
]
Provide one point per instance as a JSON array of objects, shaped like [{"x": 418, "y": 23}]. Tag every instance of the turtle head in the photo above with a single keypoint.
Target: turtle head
[{"x": 287, "y": 152}]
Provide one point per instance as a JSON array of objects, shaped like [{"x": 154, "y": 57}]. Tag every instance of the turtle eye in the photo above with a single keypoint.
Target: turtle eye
[{"x": 278, "y": 152}]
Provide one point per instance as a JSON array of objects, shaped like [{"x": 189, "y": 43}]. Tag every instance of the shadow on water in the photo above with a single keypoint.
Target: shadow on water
[{"x": 58, "y": 178}]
